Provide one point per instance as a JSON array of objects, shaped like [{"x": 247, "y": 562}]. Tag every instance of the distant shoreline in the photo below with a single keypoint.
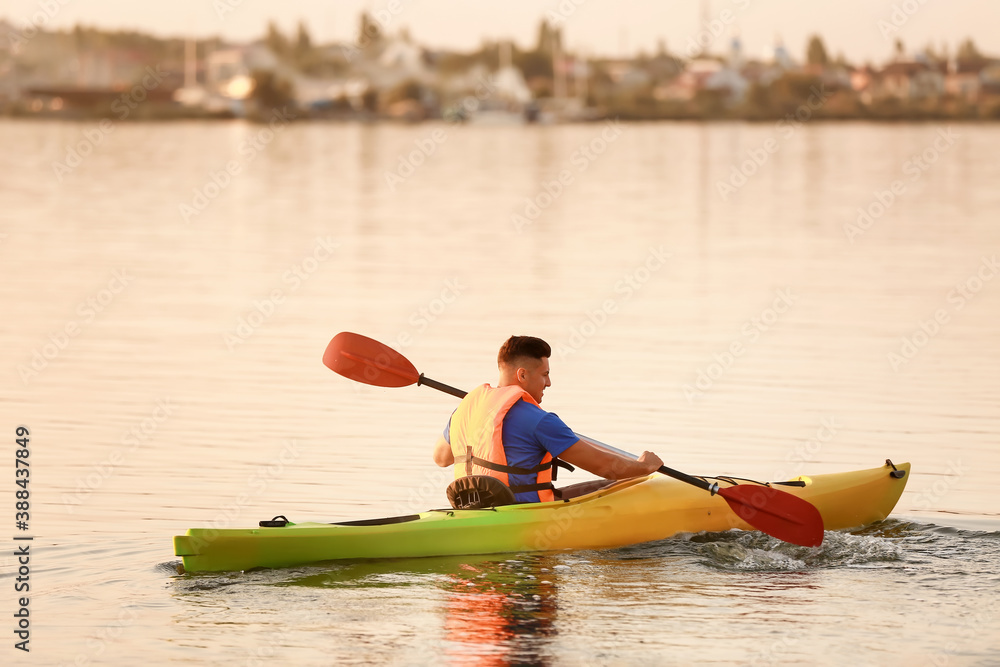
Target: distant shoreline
[{"x": 875, "y": 120}]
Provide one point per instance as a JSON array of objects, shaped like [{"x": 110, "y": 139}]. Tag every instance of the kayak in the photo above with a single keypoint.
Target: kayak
[{"x": 632, "y": 511}]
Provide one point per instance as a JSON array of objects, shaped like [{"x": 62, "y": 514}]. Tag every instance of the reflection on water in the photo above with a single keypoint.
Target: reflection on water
[
  {"x": 482, "y": 610},
  {"x": 503, "y": 614}
]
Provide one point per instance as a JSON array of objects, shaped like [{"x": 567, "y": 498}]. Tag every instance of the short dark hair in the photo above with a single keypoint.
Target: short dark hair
[{"x": 518, "y": 347}]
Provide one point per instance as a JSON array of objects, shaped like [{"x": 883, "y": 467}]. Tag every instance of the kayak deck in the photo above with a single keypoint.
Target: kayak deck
[{"x": 628, "y": 512}]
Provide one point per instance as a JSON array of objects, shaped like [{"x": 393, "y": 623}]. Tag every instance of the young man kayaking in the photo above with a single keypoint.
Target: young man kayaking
[{"x": 501, "y": 434}]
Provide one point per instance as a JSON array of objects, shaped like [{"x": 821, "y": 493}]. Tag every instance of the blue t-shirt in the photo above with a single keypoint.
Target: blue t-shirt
[{"x": 528, "y": 434}]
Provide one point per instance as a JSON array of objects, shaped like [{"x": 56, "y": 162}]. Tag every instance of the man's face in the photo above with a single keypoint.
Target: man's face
[{"x": 533, "y": 377}]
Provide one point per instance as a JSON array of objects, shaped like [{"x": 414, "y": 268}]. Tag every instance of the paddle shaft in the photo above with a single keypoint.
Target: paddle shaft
[
  {"x": 676, "y": 474},
  {"x": 441, "y": 386}
]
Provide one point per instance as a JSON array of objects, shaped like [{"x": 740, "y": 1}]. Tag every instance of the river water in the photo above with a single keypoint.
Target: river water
[{"x": 740, "y": 298}]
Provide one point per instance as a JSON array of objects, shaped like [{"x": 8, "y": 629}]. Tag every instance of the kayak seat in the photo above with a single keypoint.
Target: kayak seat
[{"x": 474, "y": 492}]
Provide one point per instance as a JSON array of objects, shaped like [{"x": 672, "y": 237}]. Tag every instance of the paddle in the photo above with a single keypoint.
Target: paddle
[{"x": 777, "y": 513}]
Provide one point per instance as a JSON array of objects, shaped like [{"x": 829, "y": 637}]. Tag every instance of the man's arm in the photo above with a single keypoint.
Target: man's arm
[
  {"x": 443, "y": 455},
  {"x": 609, "y": 465}
]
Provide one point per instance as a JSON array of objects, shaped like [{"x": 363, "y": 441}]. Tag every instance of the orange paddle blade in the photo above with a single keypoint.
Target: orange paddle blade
[
  {"x": 366, "y": 360},
  {"x": 777, "y": 513}
]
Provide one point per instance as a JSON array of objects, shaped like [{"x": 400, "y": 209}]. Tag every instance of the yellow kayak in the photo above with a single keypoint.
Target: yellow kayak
[{"x": 628, "y": 512}]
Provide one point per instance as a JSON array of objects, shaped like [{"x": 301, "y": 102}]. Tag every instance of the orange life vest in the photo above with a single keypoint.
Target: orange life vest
[{"x": 476, "y": 436}]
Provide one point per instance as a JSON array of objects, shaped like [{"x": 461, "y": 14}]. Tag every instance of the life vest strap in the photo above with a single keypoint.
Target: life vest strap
[
  {"x": 559, "y": 463},
  {"x": 555, "y": 464},
  {"x": 524, "y": 488},
  {"x": 510, "y": 470}
]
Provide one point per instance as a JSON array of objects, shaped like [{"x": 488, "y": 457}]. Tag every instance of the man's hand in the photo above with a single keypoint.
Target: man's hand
[{"x": 650, "y": 461}]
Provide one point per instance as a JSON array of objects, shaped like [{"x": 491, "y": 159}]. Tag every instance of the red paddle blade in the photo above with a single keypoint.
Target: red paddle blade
[
  {"x": 777, "y": 513},
  {"x": 366, "y": 360}
]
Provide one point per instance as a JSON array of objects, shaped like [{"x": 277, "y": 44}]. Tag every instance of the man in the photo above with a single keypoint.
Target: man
[{"x": 502, "y": 433}]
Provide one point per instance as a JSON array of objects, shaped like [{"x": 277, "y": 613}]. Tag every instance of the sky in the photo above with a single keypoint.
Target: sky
[{"x": 597, "y": 27}]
